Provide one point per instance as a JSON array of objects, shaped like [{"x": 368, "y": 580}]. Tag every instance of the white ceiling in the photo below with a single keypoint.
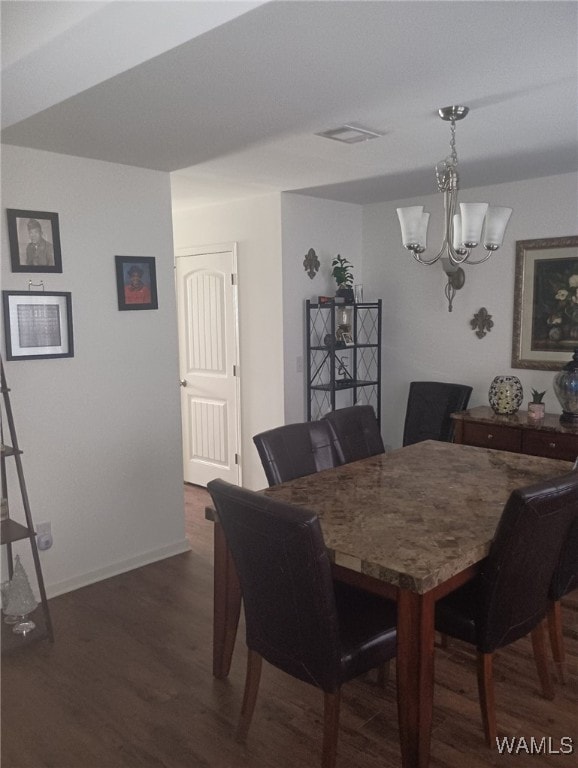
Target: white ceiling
[{"x": 229, "y": 95}]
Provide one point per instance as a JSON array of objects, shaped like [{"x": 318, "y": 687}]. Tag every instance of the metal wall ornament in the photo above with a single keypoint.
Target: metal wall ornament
[
  {"x": 456, "y": 279},
  {"x": 311, "y": 263},
  {"x": 482, "y": 323}
]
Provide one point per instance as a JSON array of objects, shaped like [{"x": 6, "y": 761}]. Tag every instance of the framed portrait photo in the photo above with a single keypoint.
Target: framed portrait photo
[
  {"x": 136, "y": 282},
  {"x": 545, "y": 303},
  {"x": 34, "y": 238},
  {"x": 37, "y": 324}
]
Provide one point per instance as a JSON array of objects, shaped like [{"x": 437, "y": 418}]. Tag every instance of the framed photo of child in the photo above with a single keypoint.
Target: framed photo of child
[{"x": 136, "y": 282}]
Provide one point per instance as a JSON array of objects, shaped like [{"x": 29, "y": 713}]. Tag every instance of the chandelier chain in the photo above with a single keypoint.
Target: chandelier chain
[
  {"x": 454, "y": 154},
  {"x": 447, "y": 169}
]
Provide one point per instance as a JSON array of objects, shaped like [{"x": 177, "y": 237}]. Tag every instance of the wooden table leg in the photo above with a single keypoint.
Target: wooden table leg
[
  {"x": 226, "y": 605},
  {"x": 415, "y": 676}
]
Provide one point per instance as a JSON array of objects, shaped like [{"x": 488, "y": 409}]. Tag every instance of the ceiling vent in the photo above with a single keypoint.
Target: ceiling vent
[{"x": 350, "y": 134}]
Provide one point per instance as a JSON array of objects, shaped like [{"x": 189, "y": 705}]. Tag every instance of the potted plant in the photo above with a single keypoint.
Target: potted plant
[
  {"x": 536, "y": 407},
  {"x": 343, "y": 277}
]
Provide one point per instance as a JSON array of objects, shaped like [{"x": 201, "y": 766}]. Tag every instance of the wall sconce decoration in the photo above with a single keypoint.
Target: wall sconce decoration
[
  {"x": 456, "y": 280},
  {"x": 311, "y": 263},
  {"x": 482, "y": 323}
]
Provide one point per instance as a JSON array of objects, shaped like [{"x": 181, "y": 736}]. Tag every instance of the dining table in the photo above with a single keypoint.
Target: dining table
[{"x": 412, "y": 525}]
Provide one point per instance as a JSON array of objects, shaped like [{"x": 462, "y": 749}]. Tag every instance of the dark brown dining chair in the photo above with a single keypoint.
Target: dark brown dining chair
[
  {"x": 295, "y": 450},
  {"x": 565, "y": 581},
  {"x": 356, "y": 432},
  {"x": 297, "y": 618},
  {"x": 429, "y": 405},
  {"x": 509, "y": 597}
]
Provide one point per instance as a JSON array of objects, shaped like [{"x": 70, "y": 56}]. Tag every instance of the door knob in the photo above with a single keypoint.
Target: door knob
[{"x": 183, "y": 382}]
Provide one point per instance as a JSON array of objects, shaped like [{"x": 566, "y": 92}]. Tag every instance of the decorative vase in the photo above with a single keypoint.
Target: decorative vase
[
  {"x": 566, "y": 390},
  {"x": 506, "y": 395},
  {"x": 345, "y": 293}
]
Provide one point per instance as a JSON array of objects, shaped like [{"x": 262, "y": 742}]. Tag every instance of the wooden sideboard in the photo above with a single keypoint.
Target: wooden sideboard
[{"x": 548, "y": 437}]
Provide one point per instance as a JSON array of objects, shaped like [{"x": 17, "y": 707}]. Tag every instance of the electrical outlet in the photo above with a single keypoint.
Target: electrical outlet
[{"x": 43, "y": 536}]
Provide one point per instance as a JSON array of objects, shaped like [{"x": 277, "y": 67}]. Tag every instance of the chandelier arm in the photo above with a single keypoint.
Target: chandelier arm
[
  {"x": 480, "y": 261},
  {"x": 457, "y": 258},
  {"x": 450, "y": 204},
  {"x": 418, "y": 258}
]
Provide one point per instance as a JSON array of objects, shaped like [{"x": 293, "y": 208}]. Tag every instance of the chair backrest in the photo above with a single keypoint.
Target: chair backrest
[
  {"x": 566, "y": 574},
  {"x": 429, "y": 405},
  {"x": 356, "y": 432},
  {"x": 295, "y": 450},
  {"x": 286, "y": 582},
  {"x": 515, "y": 579}
]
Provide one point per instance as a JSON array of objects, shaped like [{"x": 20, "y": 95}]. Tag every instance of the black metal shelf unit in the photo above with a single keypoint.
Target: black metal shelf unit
[
  {"x": 12, "y": 531},
  {"x": 343, "y": 356}
]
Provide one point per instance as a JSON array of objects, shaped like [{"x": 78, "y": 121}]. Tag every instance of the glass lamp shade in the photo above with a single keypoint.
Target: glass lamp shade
[
  {"x": 457, "y": 240},
  {"x": 472, "y": 215},
  {"x": 413, "y": 222},
  {"x": 497, "y": 219},
  {"x": 566, "y": 390}
]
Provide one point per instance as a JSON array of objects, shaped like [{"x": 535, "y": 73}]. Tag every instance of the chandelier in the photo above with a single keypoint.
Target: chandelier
[{"x": 463, "y": 231}]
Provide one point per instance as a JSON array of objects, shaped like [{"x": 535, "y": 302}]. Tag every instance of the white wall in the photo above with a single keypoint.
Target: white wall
[
  {"x": 255, "y": 224},
  {"x": 330, "y": 228},
  {"x": 421, "y": 339},
  {"x": 100, "y": 431}
]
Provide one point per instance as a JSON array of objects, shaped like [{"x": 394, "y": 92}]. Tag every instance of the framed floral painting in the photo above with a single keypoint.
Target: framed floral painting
[{"x": 545, "y": 303}]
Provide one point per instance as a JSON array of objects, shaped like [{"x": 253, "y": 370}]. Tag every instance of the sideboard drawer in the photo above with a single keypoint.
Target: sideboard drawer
[
  {"x": 503, "y": 438},
  {"x": 552, "y": 446}
]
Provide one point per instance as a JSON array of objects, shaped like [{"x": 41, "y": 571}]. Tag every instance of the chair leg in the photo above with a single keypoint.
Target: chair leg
[
  {"x": 330, "y": 728},
  {"x": 539, "y": 646},
  {"x": 252, "y": 678},
  {"x": 383, "y": 672},
  {"x": 556, "y": 638},
  {"x": 487, "y": 698}
]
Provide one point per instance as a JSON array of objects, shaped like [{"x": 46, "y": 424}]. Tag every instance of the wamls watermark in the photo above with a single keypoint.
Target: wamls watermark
[{"x": 520, "y": 745}]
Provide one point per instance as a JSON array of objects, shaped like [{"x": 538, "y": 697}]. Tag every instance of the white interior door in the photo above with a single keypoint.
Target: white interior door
[{"x": 209, "y": 363}]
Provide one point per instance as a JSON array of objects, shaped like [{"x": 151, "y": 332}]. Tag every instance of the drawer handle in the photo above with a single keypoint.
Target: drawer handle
[
  {"x": 490, "y": 436},
  {"x": 551, "y": 445}
]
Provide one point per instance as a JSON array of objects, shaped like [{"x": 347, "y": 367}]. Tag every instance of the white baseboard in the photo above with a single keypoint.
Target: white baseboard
[{"x": 84, "y": 579}]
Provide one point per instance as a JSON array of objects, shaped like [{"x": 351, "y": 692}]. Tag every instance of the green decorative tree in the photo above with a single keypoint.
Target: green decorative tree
[
  {"x": 342, "y": 272},
  {"x": 537, "y": 397},
  {"x": 20, "y": 599}
]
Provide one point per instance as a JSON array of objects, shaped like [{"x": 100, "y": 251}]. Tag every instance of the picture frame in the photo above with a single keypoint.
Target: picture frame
[
  {"x": 34, "y": 238},
  {"x": 347, "y": 339},
  {"x": 545, "y": 331},
  {"x": 37, "y": 324},
  {"x": 136, "y": 282}
]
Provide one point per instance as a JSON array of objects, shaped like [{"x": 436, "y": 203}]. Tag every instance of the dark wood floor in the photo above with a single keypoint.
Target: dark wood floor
[{"x": 128, "y": 684}]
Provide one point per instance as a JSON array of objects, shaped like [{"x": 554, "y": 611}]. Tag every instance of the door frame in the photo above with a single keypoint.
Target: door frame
[{"x": 215, "y": 248}]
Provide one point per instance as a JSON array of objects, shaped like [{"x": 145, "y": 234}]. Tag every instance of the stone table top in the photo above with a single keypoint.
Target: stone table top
[{"x": 418, "y": 515}]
